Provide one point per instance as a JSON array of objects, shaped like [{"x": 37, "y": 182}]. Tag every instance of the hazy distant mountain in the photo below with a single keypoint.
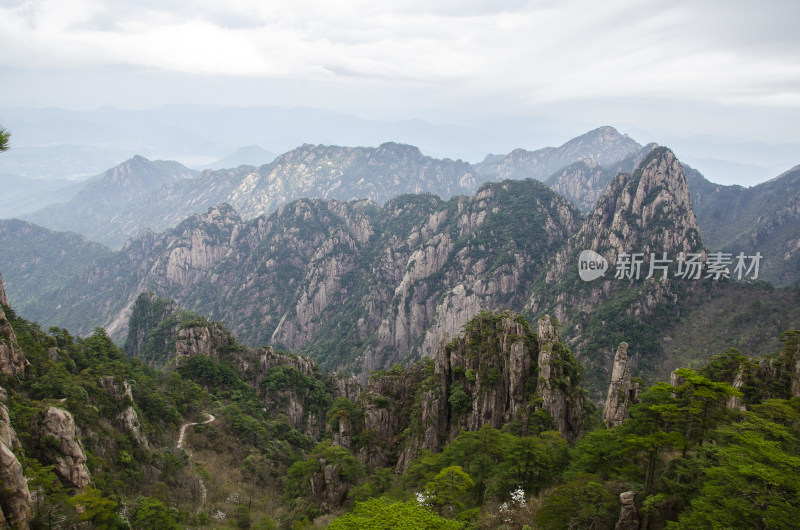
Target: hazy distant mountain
[
  {"x": 764, "y": 218},
  {"x": 142, "y": 194},
  {"x": 604, "y": 145},
  {"x": 251, "y": 155},
  {"x": 110, "y": 207},
  {"x": 56, "y": 143},
  {"x": 585, "y": 181},
  {"x": 311, "y": 171},
  {"x": 35, "y": 260},
  {"x": 24, "y": 195}
]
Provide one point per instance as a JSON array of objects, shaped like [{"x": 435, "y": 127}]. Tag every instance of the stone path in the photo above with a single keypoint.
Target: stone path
[{"x": 183, "y": 428}]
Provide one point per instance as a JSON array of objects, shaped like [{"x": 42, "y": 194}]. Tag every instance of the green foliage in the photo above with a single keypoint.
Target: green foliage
[
  {"x": 244, "y": 519},
  {"x": 378, "y": 483},
  {"x": 497, "y": 462},
  {"x": 582, "y": 502},
  {"x": 96, "y": 509},
  {"x": 459, "y": 399},
  {"x": 448, "y": 487},
  {"x": 5, "y": 136},
  {"x": 379, "y": 514},
  {"x": 753, "y": 483},
  {"x": 299, "y": 474},
  {"x": 152, "y": 514},
  {"x": 315, "y": 389}
]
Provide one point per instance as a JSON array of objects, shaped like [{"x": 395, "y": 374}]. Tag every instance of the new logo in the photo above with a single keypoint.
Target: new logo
[{"x": 591, "y": 265}]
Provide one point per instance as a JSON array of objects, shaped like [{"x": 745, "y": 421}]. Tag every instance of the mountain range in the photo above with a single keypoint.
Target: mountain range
[
  {"x": 348, "y": 337},
  {"x": 166, "y": 193},
  {"x": 363, "y": 284}
]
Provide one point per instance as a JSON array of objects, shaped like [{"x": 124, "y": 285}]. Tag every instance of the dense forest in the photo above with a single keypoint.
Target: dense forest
[{"x": 275, "y": 442}]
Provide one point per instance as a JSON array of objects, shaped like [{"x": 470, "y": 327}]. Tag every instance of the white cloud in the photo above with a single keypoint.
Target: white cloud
[{"x": 527, "y": 53}]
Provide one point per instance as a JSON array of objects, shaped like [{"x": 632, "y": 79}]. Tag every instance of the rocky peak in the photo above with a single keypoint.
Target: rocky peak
[
  {"x": 621, "y": 392},
  {"x": 12, "y": 359},
  {"x": 648, "y": 211},
  {"x": 3, "y": 294},
  {"x": 126, "y": 420},
  {"x": 559, "y": 376},
  {"x": 496, "y": 373},
  {"x": 60, "y": 446},
  {"x": 139, "y": 175},
  {"x": 15, "y": 500},
  {"x": 604, "y": 145},
  {"x": 397, "y": 150}
]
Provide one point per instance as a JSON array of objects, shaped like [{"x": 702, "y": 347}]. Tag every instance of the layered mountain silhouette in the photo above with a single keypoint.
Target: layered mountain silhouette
[
  {"x": 361, "y": 285},
  {"x": 140, "y": 194}
]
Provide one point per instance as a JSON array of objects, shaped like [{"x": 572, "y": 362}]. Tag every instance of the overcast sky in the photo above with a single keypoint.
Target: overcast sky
[{"x": 729, "y": 68}]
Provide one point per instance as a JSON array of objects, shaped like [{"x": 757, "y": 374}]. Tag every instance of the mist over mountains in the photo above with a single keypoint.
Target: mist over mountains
[
  {"x": 110, "y": 211},
  {"x": 56, "y": 143}
]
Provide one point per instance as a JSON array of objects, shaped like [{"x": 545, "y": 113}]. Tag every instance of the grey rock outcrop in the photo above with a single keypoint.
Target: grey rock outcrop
[
  {"x": 15, "y": 502},
  {"x": 795, "y": 374},
  {"x": 61, "y": 447},
  {"x": 560, "y": 400},
  {"x": 328, "y": 486},
  {"x": 3, "y": 294},
  {"x": 628, "y": 518},
  {"x": 735, "y": 402},
  {"x": 127, "y": 420},
  {"x": 675, "y": 380},
  {"x": 647, "y": 212},
  {"x": 621, "y": 392},
  {"x": 12, "y": 359},
  {"x": 203, "y": 340},
  {"x": 495, "y": 373}
]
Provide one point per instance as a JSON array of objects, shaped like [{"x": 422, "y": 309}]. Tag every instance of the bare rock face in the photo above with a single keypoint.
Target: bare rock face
[
  {"x": 148, "y": 311},
  {"x": 347, "y": 387},
  {"x": 12, "y": 360},
  {"x": 628, "y": 519},
  {"x": 3, "y": 294},
  {"x": 647, "y": 212},
  {"x": 200, "y": 340},
  {"x": 385, "y": 402},
  {"x": 15, "y": 503},
  {"x": 328, "y": 486},
  {"x": 289, "y": 383},
  {"x": 127, "y": 420},
  {"x": 560, "y": 400},
  {"x": 735, "y": 402},
  {"x": 621, "y": 392},
  {"x": 495, "y": 373},
  {"x": 335, "y": 489},
  {"x": 795, "y": 375},
  {"x": 675, "y": 380},
  {"x": 61, "y": 447}
]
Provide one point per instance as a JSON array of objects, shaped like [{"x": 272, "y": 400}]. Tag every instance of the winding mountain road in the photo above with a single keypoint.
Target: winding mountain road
[{"x": 183, "y": 427}]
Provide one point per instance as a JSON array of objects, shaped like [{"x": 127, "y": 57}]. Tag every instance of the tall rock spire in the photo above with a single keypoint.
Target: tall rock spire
[
  {"x": 12, "y": 360},
  {"x": 621, "y": 391}
]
